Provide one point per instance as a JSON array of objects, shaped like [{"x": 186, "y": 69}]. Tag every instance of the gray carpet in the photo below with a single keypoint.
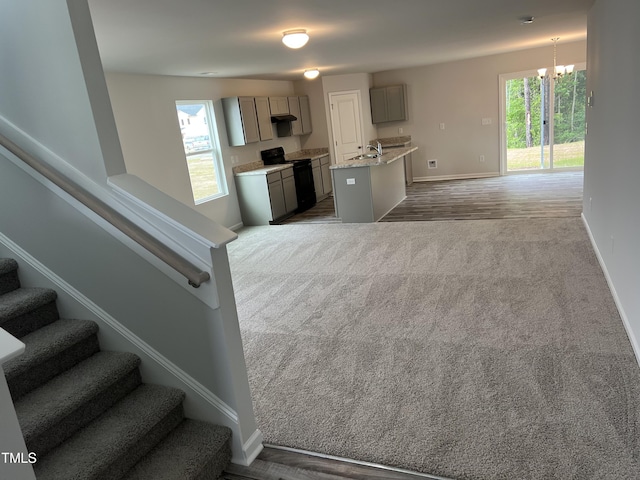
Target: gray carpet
[
  {"x": 84, "y": 412},
  {"x": 473, "y": 350}
]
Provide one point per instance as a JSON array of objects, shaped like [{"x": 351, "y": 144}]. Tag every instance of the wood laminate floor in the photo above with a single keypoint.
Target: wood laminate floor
[
  {"x": 279, "y": 464},
  {"x": 533, "y": 195}
]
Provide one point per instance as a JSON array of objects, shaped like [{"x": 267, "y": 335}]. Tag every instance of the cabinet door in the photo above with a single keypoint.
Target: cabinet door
[
  {"x": 279, "y": 105},
  {"x": 378, "y": 105},
  {"x": 395, "y": 103},
  {"x": 294, "y": 109},
  {"x": 317, "y": 181},
  {"x": 249, "y": 119},
  {"x": 265, "y": 126},
  {"x": 305, "y": 115},
  {"x": 276, "y": 197},
  {"x": 326, "y": 176},
  {"x": 289, "y": 190}
]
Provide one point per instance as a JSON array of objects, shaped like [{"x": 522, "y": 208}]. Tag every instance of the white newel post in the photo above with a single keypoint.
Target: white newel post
[{"x": 15, "y": 462}]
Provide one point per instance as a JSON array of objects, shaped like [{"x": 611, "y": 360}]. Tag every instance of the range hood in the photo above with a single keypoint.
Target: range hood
[{"x": 283, "y": 118}]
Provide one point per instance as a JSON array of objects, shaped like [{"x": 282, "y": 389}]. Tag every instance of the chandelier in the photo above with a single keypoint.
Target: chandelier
[{"x": 558, "y": 70}]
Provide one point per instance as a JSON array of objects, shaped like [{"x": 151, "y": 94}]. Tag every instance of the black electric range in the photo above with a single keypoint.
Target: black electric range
[{"x": 302, "y": 174}]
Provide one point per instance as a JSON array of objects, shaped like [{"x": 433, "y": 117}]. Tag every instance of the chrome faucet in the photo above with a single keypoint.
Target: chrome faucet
[{"x": 378, "y": 148}]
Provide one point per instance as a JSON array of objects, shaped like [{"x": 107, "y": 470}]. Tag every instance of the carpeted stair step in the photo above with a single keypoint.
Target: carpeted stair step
[
  {"x": 50, "y": 351},
  {"x": 53, "y": 412},
  {"x": 113, "y": 443},
  {"x": 8, "y": 275},
  {"x": 24, "y": 310},
  {"x": 193, "y": 451}
]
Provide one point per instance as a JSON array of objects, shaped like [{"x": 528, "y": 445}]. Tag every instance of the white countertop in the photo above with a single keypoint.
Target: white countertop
[
  {"x": 265, "y": 170},
  {"x": 388, "y": 155}
]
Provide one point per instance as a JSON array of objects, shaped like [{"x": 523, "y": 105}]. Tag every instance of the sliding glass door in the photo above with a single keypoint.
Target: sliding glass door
[{"x": 544, "y": 121}]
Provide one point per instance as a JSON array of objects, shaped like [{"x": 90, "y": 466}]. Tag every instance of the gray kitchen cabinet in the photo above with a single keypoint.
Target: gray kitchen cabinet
[
  {"x": 299, "y": 107},
  {"x": 321, "y": 177},
  {"x": 317, "y": 179},
  {"x": 289, "y": 190},
  {"x": 305, "y": 115},
  {"x": 279, "y": 105},
  {"x": 326, "y": 175},
  {"x": 241, "y": 120},
  {"x": 263, "y": 113},
  {"x": 294, "y": 109},
  {"x": 388, "y": 104},
  {"x": 266, "y": 197},
  {"x": 276, "y": 196}
]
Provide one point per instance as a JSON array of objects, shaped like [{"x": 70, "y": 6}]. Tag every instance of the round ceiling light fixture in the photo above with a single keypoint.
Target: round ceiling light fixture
[
  {"x": 311, "y": 73},
  {"x": 295, "y": 38}
]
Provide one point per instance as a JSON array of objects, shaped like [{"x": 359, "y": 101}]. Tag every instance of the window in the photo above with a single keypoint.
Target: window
[{"x": 202, "y": 150}]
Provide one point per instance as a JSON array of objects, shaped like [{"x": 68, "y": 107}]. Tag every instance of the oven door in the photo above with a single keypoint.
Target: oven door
[{"x": 305, "y": 189}]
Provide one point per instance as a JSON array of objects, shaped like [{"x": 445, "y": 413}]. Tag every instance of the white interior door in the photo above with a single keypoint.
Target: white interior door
[{"x": 346, "y": 124}]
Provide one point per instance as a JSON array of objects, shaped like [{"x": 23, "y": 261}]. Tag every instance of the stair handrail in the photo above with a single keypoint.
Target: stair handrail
[{"x": 194, "y": 275}]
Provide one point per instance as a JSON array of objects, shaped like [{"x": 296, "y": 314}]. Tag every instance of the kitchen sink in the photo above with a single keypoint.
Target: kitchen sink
[{"x": 365, "y": 156}]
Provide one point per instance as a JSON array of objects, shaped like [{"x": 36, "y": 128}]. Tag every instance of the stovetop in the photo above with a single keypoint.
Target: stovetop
[{"x": 275, "y": 156}]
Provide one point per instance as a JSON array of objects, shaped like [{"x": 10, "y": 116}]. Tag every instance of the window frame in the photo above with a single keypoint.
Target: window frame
[{"x": 216, "y": 152}]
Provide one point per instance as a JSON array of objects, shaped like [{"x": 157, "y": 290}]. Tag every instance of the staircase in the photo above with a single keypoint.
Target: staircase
[{"x": 86, "y": 413}]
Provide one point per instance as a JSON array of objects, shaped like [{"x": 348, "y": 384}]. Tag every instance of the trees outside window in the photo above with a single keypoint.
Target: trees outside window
[{"x": 535, "y": 140}]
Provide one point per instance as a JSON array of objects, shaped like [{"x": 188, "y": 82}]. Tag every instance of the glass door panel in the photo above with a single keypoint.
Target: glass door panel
[
  {"x": 535, "y": 138},
  {"x": 527, "y": 129},
  {"x": 569, "y": 120}
]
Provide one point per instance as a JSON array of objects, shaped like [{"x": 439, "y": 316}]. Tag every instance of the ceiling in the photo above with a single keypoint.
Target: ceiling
[{"x": 242, "y": 38}]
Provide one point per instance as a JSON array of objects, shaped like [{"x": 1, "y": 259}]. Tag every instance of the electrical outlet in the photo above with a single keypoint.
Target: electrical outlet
[
  {"x": 442, "y": 126},
  {"x": 432, "y": 163},
  {"x": 351, "y": 181},
  {"x": 481, "y": 158},
  {"x": 400, "y": 130}
]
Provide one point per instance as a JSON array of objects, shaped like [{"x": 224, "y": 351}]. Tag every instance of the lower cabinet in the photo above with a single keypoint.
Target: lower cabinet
[
  {"x": 321, "y": 177},
  {"x": 289, "y": 190},
  {"x": 326, "y": 175},
  {"x": 266, "y": 197}
]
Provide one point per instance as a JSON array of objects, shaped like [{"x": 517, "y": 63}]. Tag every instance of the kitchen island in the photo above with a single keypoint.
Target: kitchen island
[{"x": 365, "y": 190}]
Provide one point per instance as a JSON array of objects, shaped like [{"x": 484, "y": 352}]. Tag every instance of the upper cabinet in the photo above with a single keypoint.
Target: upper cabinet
[
  {"x": 264, "y": 118},
  {"x": 305, "y": 115},
  {"x": 248, "y": 119},
  {"x": 279, "y": 105},
  {"x": 241, "y": 120},
  {"x": 294, "y": 109},
  {"x": 299, "y": 108},
  {"x": 388, "y": 104}
]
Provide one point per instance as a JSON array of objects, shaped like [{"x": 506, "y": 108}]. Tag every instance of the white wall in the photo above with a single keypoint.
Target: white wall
[
  {"x": 459, "y": 94},
  {"x": 319, "y": 138},
  {"x": 49, "y": 92},
  {"x": 612, "y": 162},
  {"x": 145, "y": 113},
  {"x": 341, "y": 83}
]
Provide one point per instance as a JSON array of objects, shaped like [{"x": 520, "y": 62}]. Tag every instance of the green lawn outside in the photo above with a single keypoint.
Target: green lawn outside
[
  {"x": 203, "y": 176},
  {"x": 564, "y": 155}
]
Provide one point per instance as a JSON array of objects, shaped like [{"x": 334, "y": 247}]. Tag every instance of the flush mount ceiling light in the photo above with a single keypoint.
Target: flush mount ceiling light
[
  {"x": 311, "y": 73},
  {"x": 558, "y": 70},
  {"x": 295, "y": 38}
]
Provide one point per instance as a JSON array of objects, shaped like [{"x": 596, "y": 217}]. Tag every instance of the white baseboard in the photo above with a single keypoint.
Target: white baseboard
[
  {"x": 625, "y": 320},
  {"x": 236, "y": 227},
  {"x": 466, "y": 176},
  {"x": 250, "y": 449}
]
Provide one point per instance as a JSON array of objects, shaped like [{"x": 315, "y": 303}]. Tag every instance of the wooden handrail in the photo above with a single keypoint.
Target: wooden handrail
[{"x": 194, "y": 275}]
